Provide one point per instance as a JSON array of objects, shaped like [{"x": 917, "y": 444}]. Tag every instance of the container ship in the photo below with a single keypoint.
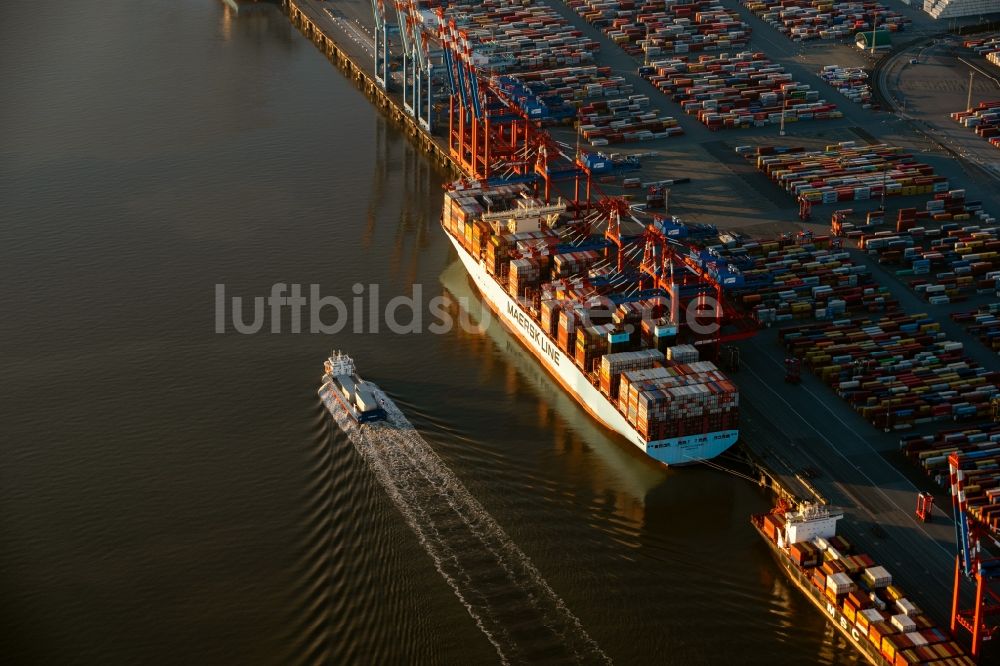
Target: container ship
[
  {"x": 343, "y": 392},
  {"x": 568, "y": 296},
  {"x": 857, "y": 596}
]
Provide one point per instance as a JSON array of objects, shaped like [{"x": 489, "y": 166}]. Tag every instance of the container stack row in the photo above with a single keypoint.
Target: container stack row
[
  {"x": 867, "y": 599},
  {"x": 983, "y": 45},
  {"x": 603, "y": 105},
  {"x": 460, "y": 216},
  {"x": 946, "y": 212},
  {"x": 661, "y": 389},
  {"x": 624, "y": 121},
  {"x": 544, "y": 64},
  {"x": 613, "y": 365},
  {"x": 801, "y": 276},
  {"x": 655, "y": 29},
  {"x": 897, "y": 371},
  {"x": 982, "y": 485},
  {"x": 510, "y": 36},
  {"x": 561, "y": 288},
  {"x": 846, "y": 172},
  {"x": 779, "y": 281},
  {"x": 801, "y": 20},
  {"x": 979, "y": 449},
  {"x": 569, "y": 306},
  {"x": 983, "y": 323},
  {"x": 984, "y": 120},
  {"x": 743, "y": 90},
  {"x": 851, "y": 82},
  {"x": 945, "y": 264},
  {"x": 554, "y": 95},
  {"x": 932, "y": 451},
  {"x": 980, "y": 456}
]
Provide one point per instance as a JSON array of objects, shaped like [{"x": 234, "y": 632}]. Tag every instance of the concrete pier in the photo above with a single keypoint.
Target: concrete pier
[{"x": 303, "y": 17}]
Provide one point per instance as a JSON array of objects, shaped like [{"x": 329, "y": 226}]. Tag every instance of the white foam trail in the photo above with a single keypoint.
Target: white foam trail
[{"x": 494, "y": 580}]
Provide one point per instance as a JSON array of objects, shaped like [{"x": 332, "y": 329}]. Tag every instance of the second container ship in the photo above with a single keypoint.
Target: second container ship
[
  {"x": 611, "y": 344},
  {"x": 857, "y": 595}
]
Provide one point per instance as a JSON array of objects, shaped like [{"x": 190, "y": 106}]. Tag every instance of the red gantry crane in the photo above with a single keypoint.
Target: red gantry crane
[
  {"x": 973, "y": 530},
  {"x": 493, "y": 140},
  {"x": 696, "y": 296},
  {"x": 490, "y": 137}
]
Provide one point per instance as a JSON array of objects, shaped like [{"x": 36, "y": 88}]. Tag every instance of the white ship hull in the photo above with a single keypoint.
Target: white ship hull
[{"x": 674, "y": 451}]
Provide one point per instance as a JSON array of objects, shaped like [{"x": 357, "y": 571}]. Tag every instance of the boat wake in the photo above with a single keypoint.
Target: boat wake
[{"x": 505, "y": 594}]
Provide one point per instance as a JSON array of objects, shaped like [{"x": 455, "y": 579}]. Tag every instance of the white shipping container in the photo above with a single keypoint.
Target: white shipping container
[
  {"x": 872, "y": 615},
  {"x": 840, "y": 583},
  {"x": 903, "y": 623},
  {"x": 907, "y": 607},
  {"x": 878, "y": 576}
]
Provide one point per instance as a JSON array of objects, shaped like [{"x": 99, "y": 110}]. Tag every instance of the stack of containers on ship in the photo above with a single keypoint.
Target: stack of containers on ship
[{"x": 627, "y": 346}]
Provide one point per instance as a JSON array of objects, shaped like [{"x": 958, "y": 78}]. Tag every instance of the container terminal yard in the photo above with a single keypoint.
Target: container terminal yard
[{"x": 871, "y": 220}]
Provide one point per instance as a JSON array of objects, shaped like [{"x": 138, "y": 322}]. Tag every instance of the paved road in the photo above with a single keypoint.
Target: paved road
[
  {"x": 351, "y": 24},
  {"x": 927, "y": 93}
]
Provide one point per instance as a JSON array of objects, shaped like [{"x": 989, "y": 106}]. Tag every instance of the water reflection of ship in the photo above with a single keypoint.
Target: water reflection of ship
[
  {"x": 399, "y": 167},
  {"x": 558, "y": 413},
  {"x": 651, "y": 514}
]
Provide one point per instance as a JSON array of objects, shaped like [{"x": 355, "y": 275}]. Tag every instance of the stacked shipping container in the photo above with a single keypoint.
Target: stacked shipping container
[
  {"x": 613, "y": 365},
  {"x": 984, "y": 46},
  {"x": 959, "y": 259},
  {"x": 934, "y": 221},
  {"x": 801, "y": 20},
  {"x": 851, "y": 82},
  {"x": 682, "y": 399},
  {"x": 525, "y": 274},
  {"x": 653, "y": 29},
  {"x": 970, "y": 257},
  {"x": 980, "y": 449},
  {"x": 789, "y": 279},
  {"x": 546, "y": 69},
  {"x": 517, "y": 35},
  {"x": 557, "y": 94},
  {"x": 846, "y": 172},
  {"x": 897, "y": 371},
  {"x": 984, "y": 119},
  {"x": 745, "y": 90},
  {"x": 624, "y": 120},
  {"x": 983, "y": 323}
]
